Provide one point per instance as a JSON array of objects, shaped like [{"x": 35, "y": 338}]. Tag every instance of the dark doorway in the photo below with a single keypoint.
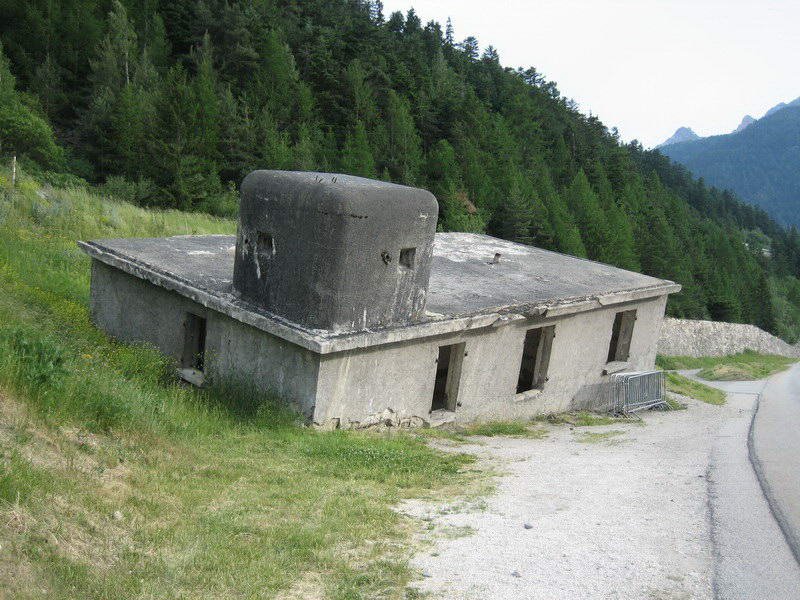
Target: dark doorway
[
  {"x": 535, "y": 358},
  {"x": 194, "y": 343},
  {"x": 448, "y": 376},
  {"x": 621, "y": 334}
]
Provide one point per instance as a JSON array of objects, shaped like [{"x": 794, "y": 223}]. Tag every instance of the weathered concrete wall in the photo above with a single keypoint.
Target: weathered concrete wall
[
  {"x": 684, "y": 337},
  {"x": 324, "y": 250},
  {"x": 133, "y": 310},
  {"x": 354, "y": 386},
  {"x": 245, "y": 353}
]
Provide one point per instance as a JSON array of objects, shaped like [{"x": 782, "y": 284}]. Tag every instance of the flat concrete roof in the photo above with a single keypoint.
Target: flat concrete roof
[{"x": 467, "y": 290}]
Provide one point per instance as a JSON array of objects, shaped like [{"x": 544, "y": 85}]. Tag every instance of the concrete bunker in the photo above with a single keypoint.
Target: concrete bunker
[{"x": 337, "y": 294}]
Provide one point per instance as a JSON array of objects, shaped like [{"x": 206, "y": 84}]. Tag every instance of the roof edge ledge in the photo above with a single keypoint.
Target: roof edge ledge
[{"x": 329, "y": 343}]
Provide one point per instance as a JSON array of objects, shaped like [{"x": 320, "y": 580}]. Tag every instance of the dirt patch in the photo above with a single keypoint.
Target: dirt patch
[{"x": 622, "y": 516}]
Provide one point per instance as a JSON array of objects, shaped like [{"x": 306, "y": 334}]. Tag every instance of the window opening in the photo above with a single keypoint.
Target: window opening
[
  {"x": 407, "y": 256},
  {"x": 448, "y": 376},
  {"x": 621, "y": 334},
  {"x": 194, "y": 343},
  {"x": 535, "y": 358}
]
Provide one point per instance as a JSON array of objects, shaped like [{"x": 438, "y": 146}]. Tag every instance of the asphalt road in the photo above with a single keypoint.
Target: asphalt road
[
  {"x": 775, "y": 450},
  {"x": 754, "y": 490}
]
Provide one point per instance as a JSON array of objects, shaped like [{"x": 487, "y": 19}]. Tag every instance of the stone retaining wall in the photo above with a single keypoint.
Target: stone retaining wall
[{"x": 683, "y": 337}]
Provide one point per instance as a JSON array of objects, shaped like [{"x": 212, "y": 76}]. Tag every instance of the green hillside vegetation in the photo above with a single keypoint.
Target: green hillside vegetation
[
  {"x": 761, "y": 164},
  {"x": 171, "y": 104},
  {"x": 116, "y": 481},
  {"x": 743, "y": 366}
]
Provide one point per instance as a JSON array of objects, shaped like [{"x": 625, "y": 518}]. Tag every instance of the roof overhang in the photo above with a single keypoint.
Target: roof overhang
[{"x": 326, "y": 342}]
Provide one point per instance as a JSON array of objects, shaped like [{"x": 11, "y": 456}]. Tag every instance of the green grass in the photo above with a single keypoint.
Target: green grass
[
  {"x": 463, "y": 433},
  {"x": 598, "y": 437},
  {"x": 684, "y": 386},
  {"x": 506, "y": 428},
  {"x": 116, "y": 481},
  {"x": 585, "y": 418},
  {"x": 674, "y": 404},
  {"x": 744, "y": 366}
]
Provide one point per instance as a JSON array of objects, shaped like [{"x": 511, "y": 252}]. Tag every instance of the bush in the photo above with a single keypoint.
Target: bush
[
  {"x": 142, "y": 192},
  {"x": 24, "y": 133},
  {"x": 41, "y": 359}
]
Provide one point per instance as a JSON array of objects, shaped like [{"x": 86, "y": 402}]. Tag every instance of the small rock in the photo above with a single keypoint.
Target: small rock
[
  {"x": 426, "y": 574},
  {"x": 528, "y": 526},
  {"x": 117, "y": 515},
  {"x": 515, "y": 574},
  {"x": 328, "y": 425}
]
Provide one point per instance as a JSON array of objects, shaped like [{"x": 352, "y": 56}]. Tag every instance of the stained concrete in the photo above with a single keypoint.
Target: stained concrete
[
  {"x": 356, "y": 384},
  {"x": 134, "y": 311},
  {"x": 464, "y": 280},
  {"x": 334, "y": 252},
  {"x": 465, "y": 291},
  {"x": 142, "y": 290}
]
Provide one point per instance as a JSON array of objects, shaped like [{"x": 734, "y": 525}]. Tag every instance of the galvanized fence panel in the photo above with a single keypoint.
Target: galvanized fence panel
[{"x": 631, "y": 392}]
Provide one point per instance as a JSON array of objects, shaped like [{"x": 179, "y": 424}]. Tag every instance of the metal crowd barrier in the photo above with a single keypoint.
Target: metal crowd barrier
[{"x": 631, "y": 392}]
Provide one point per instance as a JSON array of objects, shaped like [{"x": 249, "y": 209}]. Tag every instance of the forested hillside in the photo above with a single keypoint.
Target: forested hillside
[
  {"x": 761, "y": 163},
  {"x": 171, "y": 103}
]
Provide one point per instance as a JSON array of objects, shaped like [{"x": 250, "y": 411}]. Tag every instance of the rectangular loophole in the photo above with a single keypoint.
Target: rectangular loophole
[
  {"x": 407, "y": 256},
  {"x": 265, "y": 245},
  {"x": 619, "y": 348},
  {"x": 448, "y": 377},
  {"x": 194, "y": 343},
  {"x": 535, "y": 358}
]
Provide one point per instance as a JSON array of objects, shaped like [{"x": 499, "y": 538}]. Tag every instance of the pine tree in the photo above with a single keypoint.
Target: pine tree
[
  {"x": 402, "y": 154},
  {"x": 457, "y": 213},
  {"x": 303, "y": 151},
  {"x": 516, "y": 217},
  {"x": 589, "y": 216},
  {"x": 205, "y": 124},
  {"x": 566, "y": 236},
  {"x": 362, "y": 101},
  {"x": 356, "y": 157},
  {"x": 448, "y": 33},
  {"x": 442, "y": 171},
  {"x": 119, "y": 120}
]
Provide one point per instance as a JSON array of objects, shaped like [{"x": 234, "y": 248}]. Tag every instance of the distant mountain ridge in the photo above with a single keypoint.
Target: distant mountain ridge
[
  {"x": 747, "y": 120},
  {"x": 760, "y": 161},
  {"x": 682, "y": 134},
  {"x": 687, "y": 134},
  {"x": 781, "y": 106}
]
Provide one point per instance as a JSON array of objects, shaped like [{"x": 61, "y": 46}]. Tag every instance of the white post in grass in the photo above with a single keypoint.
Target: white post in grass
[{"x": 13, "y": 171}]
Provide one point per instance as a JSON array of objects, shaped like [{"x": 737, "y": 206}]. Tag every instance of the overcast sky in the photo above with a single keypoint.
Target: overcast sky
[{"x": 644, "y": 66}]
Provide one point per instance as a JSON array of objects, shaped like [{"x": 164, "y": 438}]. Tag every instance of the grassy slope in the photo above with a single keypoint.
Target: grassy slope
[
  {"x": 117, "y": 482},
  {"x": 735, "y": 367},
  {"x": 694, "y": 389}
]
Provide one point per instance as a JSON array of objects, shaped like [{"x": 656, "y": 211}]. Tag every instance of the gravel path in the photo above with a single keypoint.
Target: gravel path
[{"x": 625, "y": 514}]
